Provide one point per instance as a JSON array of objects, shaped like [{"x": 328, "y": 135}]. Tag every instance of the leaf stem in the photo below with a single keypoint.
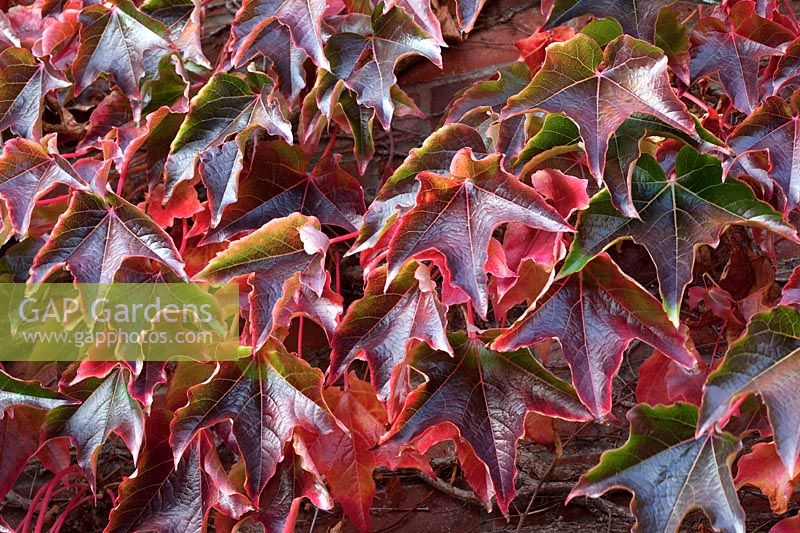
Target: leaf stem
[
  {"x": 331, "y": 142},
  {"x": 77, "y": 501},
  {"x": 337, "y": 261},
  {"x": 51, "y": 486},
  {"x": 300, "y": 337},
  {"x": 470, "y": 320},
  {"x": 342, "y": 238}
]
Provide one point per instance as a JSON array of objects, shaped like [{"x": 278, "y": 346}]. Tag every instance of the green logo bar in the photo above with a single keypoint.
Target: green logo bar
[{"x": 118, "y": 321}]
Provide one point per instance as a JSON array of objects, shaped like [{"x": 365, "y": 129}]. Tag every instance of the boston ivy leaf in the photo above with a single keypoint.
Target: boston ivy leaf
[
  {"x": 19, "y": 435},
  {"x": 456, "y": 214},
  {"x": 676, "y": 216},
  {"x": 366, "y": 62},
  {"x": 163, "y": 497},
  {"x": 400, "y": 191},
  {"x": 637, "y": 17},
  {"x": 378, "y": 327},
  {"x": 295, "y": 480},
  {"x": 270, "y": 256},
  {"x": 763, "y": 468},
  {"x": 224, "y": 106},
  {"x": 304, "y": 20},
  {"x": 106, "y": 409},
  {"x": 95, "y": 235},
  {"x": 113, "y": 40},
  {"x": 279, "y": 184},
  {"x": 485, "y": 395},
  {"x": 348, "y": 459},
  {"x": 624, "y": 150},
  {"x": 773, "y": 127},
  {"x": 669, "y": 472},
  {"x": 491, "y": 94},
  {"x": 219, "y": 169},
  {"x": 274, "y": 42},
  {"x": 17, "y": 392},
  {"x": 787, "y": 70},
  {"x": 24, "y": 82},
  {"x": 28, "y": 172},
  {"x": 183, "y": 21},
  {"x": 557, "y": 135},
  {"x": 733, "y": 50},
  {"x": 765, "y": 361},
  {"x": 595, "y": 316},
  {"x": 300, "y": 300},
  {"x": 267, "y": 396},
  {"x": 634, "y": 80}
]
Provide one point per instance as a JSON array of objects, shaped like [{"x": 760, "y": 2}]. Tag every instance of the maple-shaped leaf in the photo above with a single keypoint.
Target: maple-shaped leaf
[
  {"x": 113, "y": 40},
  {"x": 164, "y": 497},
  {"x": 95, "y": 235},
  {"x": 366, "y": 62},
  {"x": 18, "y": 392},
  {"x": 182, "y": 19},
  {"x": 106, "y": 409},
  {"x": 274, "y": 42},
  {"x": 302, "y": 18},
  {"x": 378, "y": 327},
  {"x": 624, "y": 150},
  {"x": 28, "y": 172},
  {"x": 634, "y": 80},
  {"x": 224, "y": 106},
  {"x": 491, "y": 94},
  {"x": 266, "y": 396},
  {"x": 348, "y": 459},
  {"x": 595, "y": 316},
  {"x": 400, "y": 191},
  {"x": 765, "y": 361},
  {"x": 270, "y": 256},
  {"x": 279, "y": 184},
  {"x": 773, "y": 127},
  {"x": 456, "y": 214},
  {"x": 219, "y": 169},
  {"x": 24, "y": 82},
  {"x": 637, "y": 17},
  {"x": 485, "y": 395},
  {"x": 734, "y": 48},
  {"x": 763, "y": 468},
  {"x": 676, "y": 215},
  {"x": 670, "y": 472}
]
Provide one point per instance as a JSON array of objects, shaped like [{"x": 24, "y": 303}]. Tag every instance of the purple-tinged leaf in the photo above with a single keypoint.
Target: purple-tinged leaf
[
  {"x": 595, "y": 315},
  {"x": 95, "y": 235},
  {"x": 634, "y": 80},
  {"x": 477, "y": 195}
]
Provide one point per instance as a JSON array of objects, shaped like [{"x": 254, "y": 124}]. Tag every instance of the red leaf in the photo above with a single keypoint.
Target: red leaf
[
  {"x": 595, "y": 315},
  {"x": 348, "y": 459},
  {"x": 455, "y": 216},
  {"x": 733, "y": 50},
  {"x": 267, "y": 397},
  {"x": 485, "y": 395},
  {"x": 379, "y": 326}
]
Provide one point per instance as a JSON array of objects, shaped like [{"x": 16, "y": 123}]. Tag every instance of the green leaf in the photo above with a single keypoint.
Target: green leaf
[
  {"x": 676, "y": 216},
  {"x": 226, "y": 105},
  {"x": 765, "y": 361},
  {"x": 670, "y": 472},
  {"x": 634, "y": 80}
]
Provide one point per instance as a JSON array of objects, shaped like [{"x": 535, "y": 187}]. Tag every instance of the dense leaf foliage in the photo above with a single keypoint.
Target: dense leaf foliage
[{"x": 630, "y": 185}]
